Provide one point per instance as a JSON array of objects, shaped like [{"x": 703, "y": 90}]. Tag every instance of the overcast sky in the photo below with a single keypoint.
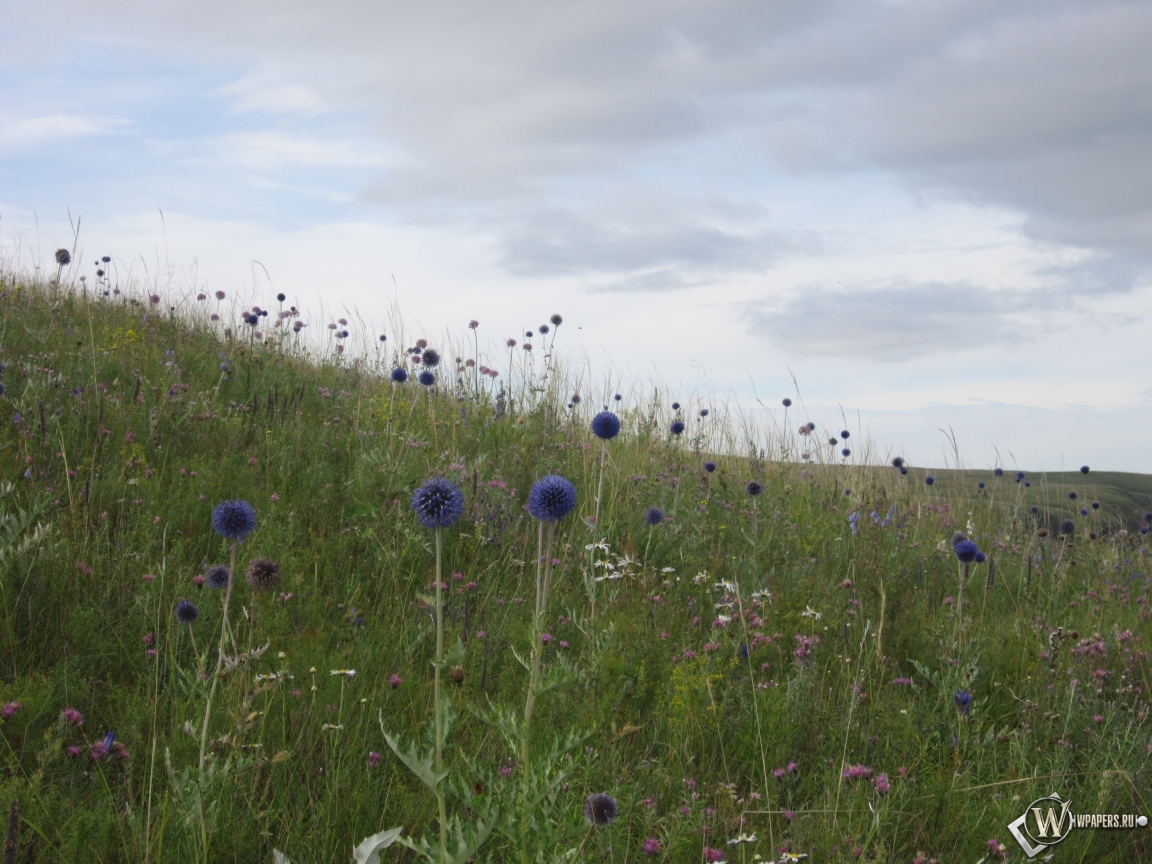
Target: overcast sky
[{"x": 933, "y": 214}]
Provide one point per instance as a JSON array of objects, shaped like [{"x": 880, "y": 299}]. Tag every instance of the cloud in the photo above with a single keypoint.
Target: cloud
[
  {"x": 898, "y": 321},
  {"x": 25, "y": 132},
  {"x": 1039, "y": 107},
  {"x": 646, "y": 239}
]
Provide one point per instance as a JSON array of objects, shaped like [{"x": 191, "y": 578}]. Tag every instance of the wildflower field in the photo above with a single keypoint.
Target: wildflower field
[{"x": 273, "y": 594}]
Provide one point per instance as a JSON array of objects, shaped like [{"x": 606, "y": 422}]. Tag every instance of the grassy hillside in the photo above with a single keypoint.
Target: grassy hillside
[{"x": 789, "y": 670}]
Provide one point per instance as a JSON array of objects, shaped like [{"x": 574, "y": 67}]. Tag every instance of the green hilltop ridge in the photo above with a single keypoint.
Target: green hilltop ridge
[{"x": 802, "y": 671}]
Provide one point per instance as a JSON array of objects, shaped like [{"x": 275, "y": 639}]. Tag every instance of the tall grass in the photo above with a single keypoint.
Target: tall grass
[{"x": 754, "y": 634}]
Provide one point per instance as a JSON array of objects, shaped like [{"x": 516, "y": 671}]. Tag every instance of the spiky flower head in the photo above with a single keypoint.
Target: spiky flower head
[
  {"x": 556, "y": 320},
  {"x": 399, "y": 376},
  {"x": 958, "y": 537},
  {"x": 606, "y": 425},
  {"x": 844, "y": 435},
  {"x": 600, "y": 809},
  {"x": 218, "y": 576},
  {"x": 427, "y": 379},
  {"x": 551, "y": 498},
  {"x": 430, "y": 358},
  {"x": 981, "y": 558},
  {"x": 999, "y": 472},
  {"x": 186, "y": 612},
  {"x": 654, "y": 516},
  {"x": 753, "y": 488},
  {"x": 930, "y": 480},
  {"x": 709, "y": 467},
  {"x": 787, "y": 402},
  {"x": 281, "y": 297},
  {"x": 1068, "y": 527},
  {"x": 438, "y": 503},
  {"x": 703, "y": 412},
  {"x": 1083, "y": 469},
  {"x": 966, "y": 551},
  {"x": 677, "y": 427},
  {"x": 963, "y": 700},
  {"x": 1072, "y": 496},
  {"x": 63, "y": 257},
  {"x": 675, "y": 406},
  {"x": 263, "y": 574},
  {"x": 234, "y": 520},
  {"x": 897, "y": 461}
]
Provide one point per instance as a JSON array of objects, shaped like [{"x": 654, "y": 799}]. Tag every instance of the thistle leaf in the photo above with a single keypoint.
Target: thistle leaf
[
  {"x": 420, "y": 765},
  {"x": 368, "y": 852}
]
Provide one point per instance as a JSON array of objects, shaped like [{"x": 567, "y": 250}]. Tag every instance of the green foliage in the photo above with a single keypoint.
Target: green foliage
[{"x": 680, "y": 696}]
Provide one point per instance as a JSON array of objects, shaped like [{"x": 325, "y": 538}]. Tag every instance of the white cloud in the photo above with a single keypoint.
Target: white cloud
[{"x": 24, "y": 132}]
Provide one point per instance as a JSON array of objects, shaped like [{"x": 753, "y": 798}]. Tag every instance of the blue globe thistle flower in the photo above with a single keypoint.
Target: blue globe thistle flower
[
  {"x": 654, "y": 516},
  {"x": 617, "y": 397},
  {"x": 543, "y": 329},
  {"x": 844, "y": 434},
  {"x": 930, "y": 480},
  {"x": 966, "y": 551},
  {"x": 606, "y": 425},
  {"x": 600, "y": 809},
  {"x": 677, "y": 427},
  {"x": 1095, "y": 505},
  {"x": 903, "y": 470},
  {"x": 217, "y": 577},
  {"x": 999, "y": 472},
  {"x": 709, "y": 467},
  {"x": 399, "y": 376},
  {"x": 1019, "y": 476},
  {"x": 1073, "y": 496},
  {"x": 1067, "y": 527},
  {"x": 430, "y": 358},
  {"x": 703, "y": 412},
  {"x": 675, "y": 406},
  {"x": 252, "y": 319},
  {"x": 832, "y": 442},
  {"x": 281, "y": 297},
  {"x": 234, "y": 520},
  {"x": 963, "y": 700},
  {"x": 1027, "y": 483},
  {"x": 980, "y": 485},
  {"x": 556, "y": 320},
  {"x": 1083, "y": 511},
  {"x": 551, "y": 498},
  {"x": 438, "y": 503},
  {"x": 845, "y": 452},
  {"x": 1083, "y": 469},
  {"x": 848, "y": 492},
  {"x": 1148, "y": 517},
  {"x": 897, "y": 461},
  {"x": 427, "y": 379},
  {"x": 186, "y": 612},
  {"x": 3, "y": 389},
  {"x": 1143, "y": 529},
  {"x": 1033, "y": 510},
  {"x": 753, "y": 488},
  {"x": 980, "y": 558},
  {"x": 383, "y": 338},
  {"x": 787, "y": 402}
]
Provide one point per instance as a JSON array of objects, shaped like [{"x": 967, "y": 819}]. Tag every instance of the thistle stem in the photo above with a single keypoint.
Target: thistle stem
[
  {"x": 438, "y": 705},
  {"x": 211, "y": 696}
]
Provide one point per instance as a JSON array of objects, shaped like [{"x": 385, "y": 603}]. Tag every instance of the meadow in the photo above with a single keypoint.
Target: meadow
[{"x": 262, "y": 599}]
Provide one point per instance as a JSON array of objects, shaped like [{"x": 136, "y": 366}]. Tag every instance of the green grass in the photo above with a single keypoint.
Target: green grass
[{"x": 128, "y": 448}]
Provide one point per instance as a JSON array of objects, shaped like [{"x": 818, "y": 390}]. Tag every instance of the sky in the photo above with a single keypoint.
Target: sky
[{"x": 933, "y": 216}]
